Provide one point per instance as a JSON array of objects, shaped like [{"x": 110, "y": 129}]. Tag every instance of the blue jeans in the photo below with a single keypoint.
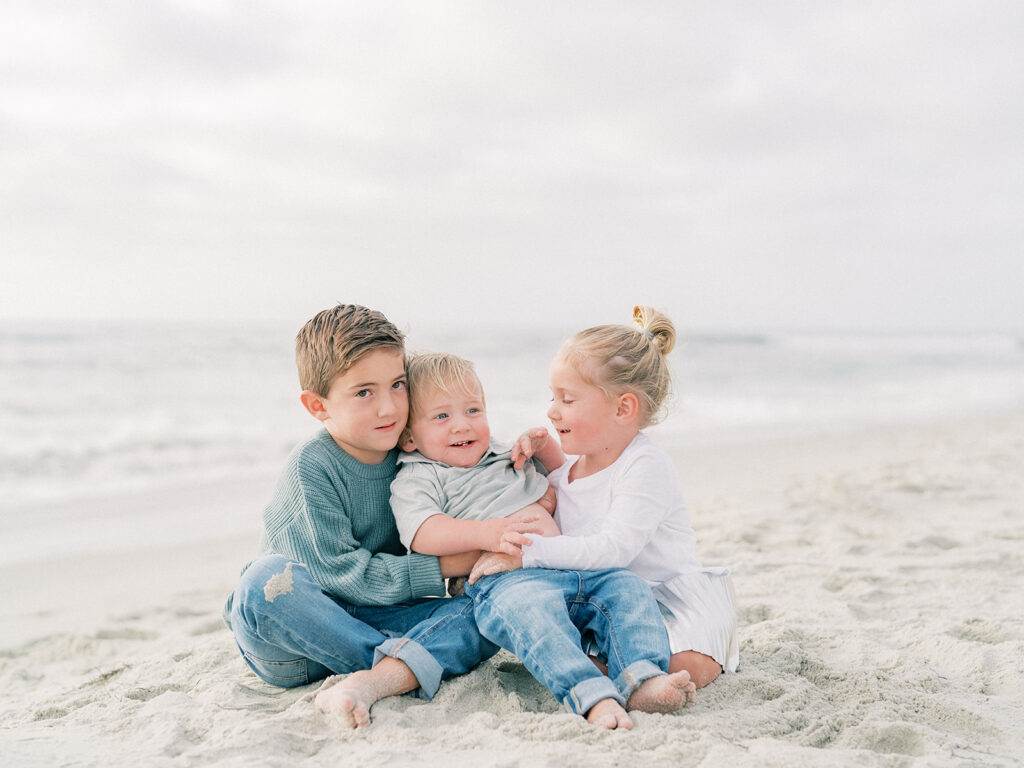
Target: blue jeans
[
  {"x": 292, "y": 633},
  {"x": 540, "y": 614}
]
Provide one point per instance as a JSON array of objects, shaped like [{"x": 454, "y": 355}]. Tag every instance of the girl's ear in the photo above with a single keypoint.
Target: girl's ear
[
  {"x": 627, "y": 408},
  {"x": 314, "y": 404}
]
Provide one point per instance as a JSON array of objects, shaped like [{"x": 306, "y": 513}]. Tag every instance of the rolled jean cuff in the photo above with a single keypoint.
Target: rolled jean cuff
[
  {"x": 583, "y": 696},
  {"x": 417, "y": 658},
  {"x": 631, "y": 677}
]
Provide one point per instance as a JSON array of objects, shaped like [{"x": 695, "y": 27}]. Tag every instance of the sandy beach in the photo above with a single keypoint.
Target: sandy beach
[{"x": 879, "y": 576}]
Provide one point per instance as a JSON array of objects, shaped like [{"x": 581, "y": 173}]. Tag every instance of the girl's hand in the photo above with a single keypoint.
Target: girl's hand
[
  {"x": 527, "y": 444},
  {"x": 494, "y": 562}
]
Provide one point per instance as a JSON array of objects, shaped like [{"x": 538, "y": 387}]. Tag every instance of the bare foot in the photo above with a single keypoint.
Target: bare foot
[
  {"x": 349, "y": 697},
  {"x": 607, "y": 713},
  {"x": 344, "y": 698},
  {"x": 664, "y": 693}
]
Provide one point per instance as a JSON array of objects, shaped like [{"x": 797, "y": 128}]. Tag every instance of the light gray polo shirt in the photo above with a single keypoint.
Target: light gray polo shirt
[{"x": 490, "y": 488}]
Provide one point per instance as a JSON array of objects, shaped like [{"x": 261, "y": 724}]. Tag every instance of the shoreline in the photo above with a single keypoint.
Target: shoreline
[{"x": 877, "y": 573}]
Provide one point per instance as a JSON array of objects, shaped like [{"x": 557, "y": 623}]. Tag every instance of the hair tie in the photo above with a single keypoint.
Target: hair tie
[{"x": 648, "y": 334}]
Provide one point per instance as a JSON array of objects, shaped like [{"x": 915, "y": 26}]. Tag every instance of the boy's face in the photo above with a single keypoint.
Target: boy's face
[
  {"x": 367, "y": 406},
  {"x": 449, "y": 427}
]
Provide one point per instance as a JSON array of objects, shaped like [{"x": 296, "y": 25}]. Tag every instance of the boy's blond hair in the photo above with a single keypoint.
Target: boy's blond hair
[
  {"x": 627, "y": 359},
  {"x": 438, "y": 370},
  {"x": 336, "y": 339}
]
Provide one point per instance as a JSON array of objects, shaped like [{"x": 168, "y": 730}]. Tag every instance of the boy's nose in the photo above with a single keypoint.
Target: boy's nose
[{"x": 387, "y": 404}]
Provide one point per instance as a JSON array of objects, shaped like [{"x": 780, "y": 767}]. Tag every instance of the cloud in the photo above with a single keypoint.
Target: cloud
[{"x": 779, "y": 164}]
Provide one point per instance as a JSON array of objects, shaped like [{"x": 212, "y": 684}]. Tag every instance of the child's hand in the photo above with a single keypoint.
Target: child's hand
[
  {"x": 512, "y": 543},
  {"x": 527, "y": 444},
  {"x": 494, "y": 562},
  {"x": 496, "y": 530}
]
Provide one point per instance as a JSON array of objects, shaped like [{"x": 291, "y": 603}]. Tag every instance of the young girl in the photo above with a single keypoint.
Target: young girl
[{"x": 619, "y": 502}]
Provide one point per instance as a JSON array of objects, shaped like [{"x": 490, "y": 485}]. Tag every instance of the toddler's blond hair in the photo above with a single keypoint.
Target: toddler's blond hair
[{"x": 438, "y": 370}]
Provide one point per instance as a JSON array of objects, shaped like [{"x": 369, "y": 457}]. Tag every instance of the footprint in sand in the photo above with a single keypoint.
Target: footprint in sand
[
  {"x": 980, "y": 631},
  {"x": 755, "y": 613},
  {"x": 125, "y": 633},
  {"x": 896, "y": 739},
  {"x": 151, "y": 692}
]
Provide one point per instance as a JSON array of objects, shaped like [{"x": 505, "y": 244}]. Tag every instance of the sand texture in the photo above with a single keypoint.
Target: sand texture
[{"x": 879, "y": 577}]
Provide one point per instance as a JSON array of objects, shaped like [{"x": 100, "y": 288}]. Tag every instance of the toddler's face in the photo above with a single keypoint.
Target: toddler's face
[{"x": 449, "y": 427}]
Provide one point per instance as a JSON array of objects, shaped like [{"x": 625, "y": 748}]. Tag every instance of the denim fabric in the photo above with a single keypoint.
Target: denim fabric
[
  {"x": 539, "y": 615},
  {"x": 292, "y": 633}
]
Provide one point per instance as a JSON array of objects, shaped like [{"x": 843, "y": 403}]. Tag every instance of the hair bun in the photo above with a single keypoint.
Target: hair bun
[{"x": 657, "y": 326}]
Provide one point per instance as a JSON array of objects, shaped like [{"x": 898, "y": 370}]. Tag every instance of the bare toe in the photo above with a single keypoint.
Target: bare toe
[
  {"x": 608, "y": 714},
  {"x": 344, "y": 700},
  {"x": 663, "y": 693}
]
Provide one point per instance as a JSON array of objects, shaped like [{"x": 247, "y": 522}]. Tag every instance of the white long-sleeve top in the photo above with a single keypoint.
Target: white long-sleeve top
[{"x": 629, "y": 515}]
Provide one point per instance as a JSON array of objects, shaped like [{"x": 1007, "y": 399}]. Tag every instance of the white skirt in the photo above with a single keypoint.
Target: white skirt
[{"x": 699, "y": 610}]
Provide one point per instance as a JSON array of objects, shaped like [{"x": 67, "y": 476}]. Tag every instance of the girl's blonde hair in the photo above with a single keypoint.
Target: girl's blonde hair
[{"x": 627, "y": 359}]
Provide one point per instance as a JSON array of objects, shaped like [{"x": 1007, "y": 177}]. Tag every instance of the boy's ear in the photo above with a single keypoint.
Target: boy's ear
[
  {"x": 627, "y": 408},
  {"x": 314, "y": 404},
  {"x": 406, "y": 441}
]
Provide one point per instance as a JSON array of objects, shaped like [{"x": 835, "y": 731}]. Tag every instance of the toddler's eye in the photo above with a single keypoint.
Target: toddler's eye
[{"x": 441, "y": 416}]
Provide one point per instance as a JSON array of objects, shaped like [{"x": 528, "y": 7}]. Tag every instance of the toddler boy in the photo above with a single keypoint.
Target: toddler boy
[{"x": 457, "y": 490}]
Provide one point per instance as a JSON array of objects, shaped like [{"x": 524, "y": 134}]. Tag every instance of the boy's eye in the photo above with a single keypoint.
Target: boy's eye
[
  {"x": 398, "y": 385},
  {"x": 363, "y": 393}
]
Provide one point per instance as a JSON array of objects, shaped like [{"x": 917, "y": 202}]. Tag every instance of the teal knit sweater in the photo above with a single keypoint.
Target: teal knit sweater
[{"x": 332, "y": 513}]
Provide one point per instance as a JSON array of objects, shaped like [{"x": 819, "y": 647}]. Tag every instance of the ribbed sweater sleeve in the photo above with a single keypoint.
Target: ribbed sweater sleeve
[{"x": 331, "y": 513}]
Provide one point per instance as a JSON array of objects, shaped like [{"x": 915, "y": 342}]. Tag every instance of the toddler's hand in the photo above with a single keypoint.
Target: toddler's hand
[
  {"x": 496, "y": 530},
  {"x": 527, "y": 444},
  {"x": 512, "y": 543},
  {"x": 493, "y": 562}
]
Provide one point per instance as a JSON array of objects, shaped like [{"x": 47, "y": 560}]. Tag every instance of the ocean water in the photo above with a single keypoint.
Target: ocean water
[{"x": 88, "y": 410}]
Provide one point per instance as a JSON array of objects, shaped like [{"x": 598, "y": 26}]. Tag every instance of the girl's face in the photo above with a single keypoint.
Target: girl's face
[{"x": 581, "y": 413}]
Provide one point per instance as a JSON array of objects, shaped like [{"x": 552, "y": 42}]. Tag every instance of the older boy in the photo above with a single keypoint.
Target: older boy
[{"x": 333, "y": 590}]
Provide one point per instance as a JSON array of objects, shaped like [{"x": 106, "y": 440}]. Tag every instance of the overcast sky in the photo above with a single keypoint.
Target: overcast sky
[{"x": 756, "y": 165}]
